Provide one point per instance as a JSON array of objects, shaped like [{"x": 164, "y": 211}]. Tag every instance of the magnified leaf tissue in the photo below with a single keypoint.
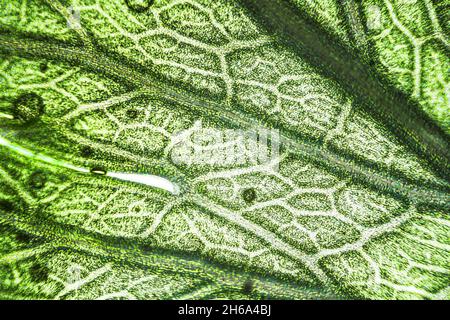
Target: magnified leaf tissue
[{"x": 224, "y": 149}]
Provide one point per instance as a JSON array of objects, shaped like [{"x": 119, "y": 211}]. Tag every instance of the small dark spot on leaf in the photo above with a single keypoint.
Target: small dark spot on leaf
[
  {"x": 37, "y": 180},
  {"x": 247, "y": 288},
  {"x": 23, "y": 237},
  {"x": 28, "y": 107},
  {"x": 86, "y": 151},
  {"x": 39, "y": 272},
  {"x": 147, "y": 247},
  {"x": 139, "y": 5},
  {"x": 43, "y": 67},
  {"x": 249, "y": 195},
  {"x": 132, "y": 113},
  {"x": 6, "y": 205},
  {"x": 63, "y": 177}
]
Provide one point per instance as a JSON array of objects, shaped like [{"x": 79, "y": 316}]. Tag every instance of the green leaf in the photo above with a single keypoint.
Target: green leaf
[
  {"x": 407, "y": 41},
  {"x": 120, "y": 120}
]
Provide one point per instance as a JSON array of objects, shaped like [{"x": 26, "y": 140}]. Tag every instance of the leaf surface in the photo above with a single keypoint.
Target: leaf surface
[{"x": 101, "y": 101}]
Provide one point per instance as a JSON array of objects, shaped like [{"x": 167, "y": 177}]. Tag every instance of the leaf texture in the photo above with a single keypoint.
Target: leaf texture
[{"x": 97, "y": 95}]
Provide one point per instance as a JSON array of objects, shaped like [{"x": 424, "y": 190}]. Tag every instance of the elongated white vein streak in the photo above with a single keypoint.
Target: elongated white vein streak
[
  {"x": 39, "y": 156},
  {"x": 145, "y": 179}
]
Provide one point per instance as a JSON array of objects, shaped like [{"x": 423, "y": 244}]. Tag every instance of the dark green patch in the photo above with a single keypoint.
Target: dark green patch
[
  {"x": 6, "y": 205},
  {"x": 248, "y": 286},
  {"x": 146, "y": 248},
  {"x": 41, "y": 213},
  {"x": 43, "y": 67},
  {"x": 28, "y": 107},
  {"x": 37, "y": 180},
  {"x": 249, "y": 195},
  {"x": 132, "y": 114},
  {"x": 39, "y": 272},
  {"x": 139, "y": 5},
  {"x": 86, "y": 152},
  {"x": 24, "y": 237}
]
